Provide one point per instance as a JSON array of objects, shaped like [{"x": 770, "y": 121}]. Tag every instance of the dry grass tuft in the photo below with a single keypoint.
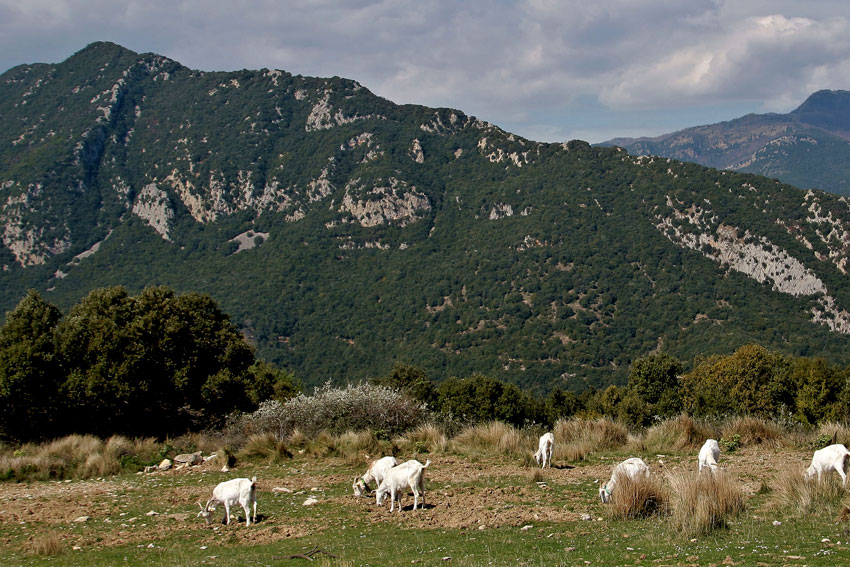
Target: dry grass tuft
[
  {"x": 265, "y": 446},
  {"x": 794, "y": 494},
  {"x": 537, "y": 476},
  {"x": 47, "y": 545},
  {"x": 835, "y": 432},
  {"x": 575, "y": 439},
  {"x": 677, "y": 434},
  {"x": 494, "y": 437},
  {"x": 98, "y": 465},
  {"x": 427, "y": 438},
  {"x": 702, "y": 503},
  {"x": 639, "y": 497},
  {"x": 752, "y": 431},
  {"x": 73, "y": 448}
]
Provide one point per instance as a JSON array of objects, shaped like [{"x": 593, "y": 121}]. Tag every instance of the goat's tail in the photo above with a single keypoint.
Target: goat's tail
[{"x": 428, "y": 462}]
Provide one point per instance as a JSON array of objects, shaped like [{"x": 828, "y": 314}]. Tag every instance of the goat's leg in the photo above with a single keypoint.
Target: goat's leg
[
  {"x": 247, "y": 514},
  {"x": 227, "y": 512},
  {"x": 840, "y": 470},
  {"x": 255, "y": 511}
]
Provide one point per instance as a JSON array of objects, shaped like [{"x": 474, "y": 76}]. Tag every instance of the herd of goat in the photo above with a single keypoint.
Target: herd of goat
[{"x": 395, "y": 479}]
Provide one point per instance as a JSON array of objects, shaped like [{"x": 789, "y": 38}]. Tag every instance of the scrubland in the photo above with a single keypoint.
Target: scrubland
[{"x": 80, "y": 500}]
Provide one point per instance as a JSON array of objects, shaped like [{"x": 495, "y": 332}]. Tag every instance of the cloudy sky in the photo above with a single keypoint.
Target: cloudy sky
[{"x": 548, "y": 70}]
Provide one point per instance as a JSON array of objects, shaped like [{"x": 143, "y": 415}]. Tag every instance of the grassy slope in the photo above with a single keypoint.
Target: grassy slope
[{"x": 461, "y": 492}]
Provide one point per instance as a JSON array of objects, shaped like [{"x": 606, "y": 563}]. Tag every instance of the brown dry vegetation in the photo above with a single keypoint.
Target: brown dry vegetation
[{"x": 478, "y": 480}]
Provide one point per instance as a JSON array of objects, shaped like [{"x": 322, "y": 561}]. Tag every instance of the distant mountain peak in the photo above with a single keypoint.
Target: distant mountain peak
[
  {"x": 826, "y": 109},
  {"x": 807, "y": 147}
]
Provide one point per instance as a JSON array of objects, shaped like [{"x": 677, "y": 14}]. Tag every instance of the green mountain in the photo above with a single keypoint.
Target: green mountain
[
  {"x": 808, "y": 147},
  {"x": 343, "y": 232}
]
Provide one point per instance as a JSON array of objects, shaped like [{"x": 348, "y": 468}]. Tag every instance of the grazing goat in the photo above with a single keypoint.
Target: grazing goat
[
  {"x": 827, "y": 459},
  {"x": 544, "y": 450},
  {"x": 397, "y": 479},
  {"x": 632, "y": 468},
  {"x": 708, "y": 455},
  {"x": 376, "y": 472},
  {"x": 242, "y": 491}
]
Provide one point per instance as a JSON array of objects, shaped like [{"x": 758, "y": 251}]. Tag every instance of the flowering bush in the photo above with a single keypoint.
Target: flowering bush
[{"x": 354, "y": 407}]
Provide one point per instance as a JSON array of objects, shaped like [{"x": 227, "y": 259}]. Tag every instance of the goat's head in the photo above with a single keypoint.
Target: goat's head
[
  {"x": 604, "y": 493},
  {"x": 379, "y": 495},
  {"x": 205, "y": 513},
  {"x": 360, "y": 488}
]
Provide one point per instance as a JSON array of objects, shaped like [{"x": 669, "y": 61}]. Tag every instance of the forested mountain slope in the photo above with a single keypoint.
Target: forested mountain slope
[
  {"x": 343, "y": 232},
  {"x": 808, "y": 147}
]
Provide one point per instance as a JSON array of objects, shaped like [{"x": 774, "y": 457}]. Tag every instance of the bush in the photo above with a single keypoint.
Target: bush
[
  {"x": 702, "y": 503},
  {"x": 355, "y": 407}
]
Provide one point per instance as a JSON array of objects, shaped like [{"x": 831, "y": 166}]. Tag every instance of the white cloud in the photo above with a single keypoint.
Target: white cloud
[
  {"x": 766, "y": 58},
  {"x": 513, "y": 61}
]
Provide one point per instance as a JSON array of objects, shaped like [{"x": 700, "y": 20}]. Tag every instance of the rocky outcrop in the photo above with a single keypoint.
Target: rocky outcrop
[
  {"x": 394, "y": 202},
  {"x": 153, "y": 206}
]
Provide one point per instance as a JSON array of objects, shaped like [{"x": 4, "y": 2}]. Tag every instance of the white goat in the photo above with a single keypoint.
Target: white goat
[
  {"x": 376, "y": 472},
  {"x": 830, "y": 458},
  {"x": 397, "y": 479},
  {"x": 708, "y": 455},
  {"x": 242, "y": 491},
  {"x": 544, "y": 450},
  {"x": 632, "y": 468}
]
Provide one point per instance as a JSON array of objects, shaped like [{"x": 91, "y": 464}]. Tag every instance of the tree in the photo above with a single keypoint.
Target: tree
[
  {"x": 30, "y": 372},
  {"x": 481, "y": 398},
  {"x": 152, "y": 364},
  {"x": 818, "y": 390},
  {"x": 654, "y": 379},
  {"x": 411, "y": 380},
  {"x": 752, "y": 381},
  {"x": 560, "y": 404},
  {"x": 269, "y": 382}
]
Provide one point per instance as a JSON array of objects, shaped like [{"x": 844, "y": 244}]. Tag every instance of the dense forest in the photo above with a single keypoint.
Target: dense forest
[{"x": 160, "y": 364}]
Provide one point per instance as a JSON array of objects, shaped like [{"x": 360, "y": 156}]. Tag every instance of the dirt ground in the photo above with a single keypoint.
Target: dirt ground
[{"x": 459, "y": 495}]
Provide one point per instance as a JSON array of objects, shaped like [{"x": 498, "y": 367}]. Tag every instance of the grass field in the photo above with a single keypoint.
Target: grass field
[{"x": 482, "y": 509}]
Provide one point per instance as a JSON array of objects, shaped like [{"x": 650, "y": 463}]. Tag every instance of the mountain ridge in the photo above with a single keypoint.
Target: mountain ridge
[
  {"x": 807, "y": 147},
  {"x": 344, "y": 232}
]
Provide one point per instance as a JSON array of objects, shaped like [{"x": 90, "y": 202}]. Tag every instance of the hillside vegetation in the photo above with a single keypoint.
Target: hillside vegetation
[{"x": 343, "y": 233}]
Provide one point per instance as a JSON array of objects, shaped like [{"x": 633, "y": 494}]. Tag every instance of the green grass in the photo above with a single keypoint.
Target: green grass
[{"x": 358, "y": 534}]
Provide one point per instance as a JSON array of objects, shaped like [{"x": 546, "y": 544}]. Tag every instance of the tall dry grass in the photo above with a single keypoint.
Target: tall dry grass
[
  {"x": 796, "y": 495},
  {"x": 47, "y": 545},
  {"x": 835, "y": 432},
  {"x": 494, "y": 437},
  {"x": 679, "y": 433},
  {"x": 753, "y": 431},
  {"x": 702, "y": 503},
  {"x": 427, "y": 438},
  {"x": 575, "y": 438},
  {"x": 639, "y": 497},
  {"x": 77, "y": 456},
  {"x": 265, "y": 447}
]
